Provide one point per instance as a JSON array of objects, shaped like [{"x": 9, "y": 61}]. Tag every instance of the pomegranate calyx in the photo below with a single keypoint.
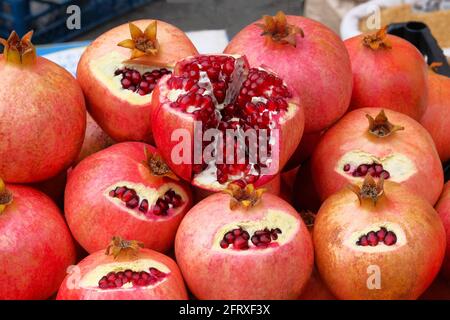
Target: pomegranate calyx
[
  {"x": 246, "y": 197},
  {"x": 5, "y": 196},
  {"x": 377, "y": 40},
  {"x": 380, "y": 126},
  {"x": 277, "y": 29},
  {"x": 369, "y": 190},
  {"x": 158, "y": 167},
  {"x": 142, "y": 43},
  {"x": 121, "y": 247},
  {"x": 19, "y": 51},
  {"x": 434, "y": 66}
]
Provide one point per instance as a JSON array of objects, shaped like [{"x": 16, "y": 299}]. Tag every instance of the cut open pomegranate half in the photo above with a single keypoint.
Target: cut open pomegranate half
[{"x": 204, "y": 116}]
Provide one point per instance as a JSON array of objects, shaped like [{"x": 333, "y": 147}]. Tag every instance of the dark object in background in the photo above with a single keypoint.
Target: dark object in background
[
  {"x": 447, "y": 171},
  {"x": 420, "y": 36}
]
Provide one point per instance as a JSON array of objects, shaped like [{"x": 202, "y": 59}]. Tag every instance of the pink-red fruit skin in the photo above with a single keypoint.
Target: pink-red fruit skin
[
  {"x": 36, "y": 246},
  {"x": 443, "y": 208}
]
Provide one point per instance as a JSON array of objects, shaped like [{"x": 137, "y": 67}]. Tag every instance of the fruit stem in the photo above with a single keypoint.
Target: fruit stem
[
  {"x": 369, "y": 189},
  {"x": 377, "y": 40},
  {"x": 278, "y": 30},
  {"x": 380, "y": 126},
  {"x": 246, "y": 197},
  {"x": 19, "y": 51},
  {"x": 142, "y": 43},
  {"x": 5, "y": 196},
  {"x": 123, "y": 248}
]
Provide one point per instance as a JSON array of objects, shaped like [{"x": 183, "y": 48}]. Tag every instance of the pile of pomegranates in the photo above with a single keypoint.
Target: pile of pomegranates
[{"x": 293, "y": 165}]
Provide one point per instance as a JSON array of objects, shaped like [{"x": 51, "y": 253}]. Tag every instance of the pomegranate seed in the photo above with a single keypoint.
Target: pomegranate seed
[
  {"x": 381, "y": 234},
  {"x": 133, "y": 203},
  {"x": 128, "y": 195},
  {"x": 126, "y": 83},
  {"x": 157, "y": 210},
  {"x": 223, "y": 244},
  {"x": 176, "y": 201},
  {"x": 384, "y": 174},
  {"x": 390, "y": 238},
  {"x": 240, "y": 243},
  {"x": 143, "y": 207},
  {"x": 372, "y": 238},
  {"x": 363, "y": 241},
  {"x": 362, "y": 169}
]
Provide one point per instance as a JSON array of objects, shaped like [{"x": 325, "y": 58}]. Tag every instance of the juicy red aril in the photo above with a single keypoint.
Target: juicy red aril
[
  {"x": 390, "y": 238},
  {"x": 374, "y": 169},
  {"x": 116, "y": 280},
  {"x": 374, "y": 238},
  {"x": 239, "y": 238},
  {"x": 142, "y": 84},
  {"x": 381, "y": 234},
  {"x": 144, "y": 206}
]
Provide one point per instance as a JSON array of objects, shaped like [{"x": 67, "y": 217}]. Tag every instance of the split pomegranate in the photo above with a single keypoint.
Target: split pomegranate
[
  {"x": 390, "y": 145},
  {"x": 309, "y": 56},
  {"x": 443, "y": 208},
  {"x": 437, "y": 115},
  {"x": 125, "y": 272},
  {"x": 256, "y": 248},
  {"x": 388, "y": 72},
  {"x": 125, "y": 190},
  {"x": 205, "y": 110},
  {"x": 42, "y": 114},
  {"x": 118, "y": 85},
  {"x": 36, "y": 246},
  {"x": 378, "y": 241}
]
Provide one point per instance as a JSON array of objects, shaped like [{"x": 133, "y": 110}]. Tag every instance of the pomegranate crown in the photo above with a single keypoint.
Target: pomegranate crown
[
  {"x": 434, "y": 66},
  {"x": 157, "y": 166},
  {"x": 279, "y": 30},
  {"x": 119, "y": 247},
  {"x": 377, "y": 40},
  {"x": 245, "y": 197},
  {"x": 380, "y": 125},
  {"x": 19, "y": 51},
  {"x": 142, "y": 43},
  {"x": 5, "y": 196},
  {"x": 369, "y": 190}
]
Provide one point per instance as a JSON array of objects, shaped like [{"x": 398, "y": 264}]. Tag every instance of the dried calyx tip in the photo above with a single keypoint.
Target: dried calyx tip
[
  {"x": 157, "y": 166},
  {"x": 434, "y": 66},
  {"x": 279, "y": 30},
  {"x": 5, "y": 196},
  {"x": 246, "y": 197},
  {"x": 377, "y": 40},
  {"x": 142, "y": 43},
  {"x": 19, "y": 51},
  {"x": 380, "y": 126},
  {"x": 121, "y": 247},
  {"x": 369, "y": 190}
]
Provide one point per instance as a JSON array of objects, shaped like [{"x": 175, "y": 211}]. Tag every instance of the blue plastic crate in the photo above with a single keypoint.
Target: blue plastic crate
[{"x": 48, "y": 17}]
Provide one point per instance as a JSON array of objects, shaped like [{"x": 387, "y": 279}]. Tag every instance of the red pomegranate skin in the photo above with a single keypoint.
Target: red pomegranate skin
[
  {"x": 394, "y": 78},
  {"x": 170, "y": 288},
  {"x": 42, "y": 120},
  {"x": 122, "y": 119},
  {"x": 406, "y": 269},
  {"x": 318, "y": 68},
  {"x": 351, "y": 134},
  {"x": 37, "y": 247},
  {"x": 94, "y": 219},
  {"x": 437, "y": 115},
  {"x": 443, "y": 208},
  {"x": 280, "y": 272}
]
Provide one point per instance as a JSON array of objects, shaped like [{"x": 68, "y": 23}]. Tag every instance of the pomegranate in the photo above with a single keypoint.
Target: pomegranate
[
  {"x": 36, "y": 246},
  {"x": 401, "y": 151},
  {"x": 256, "y": 248},
  {"x": 388, "y": 72},
  {"x": 211, "y": 115},
  {"x": 118, "y": 85},
  {"x": 304, "y": 150},
  {"x": 443, "y": 208},
  {"x": 42, "y": 114},
  {"x": 125, "y": 272},
  {"x": 304, "y": 194},
  {"x": 378, "y": 241},
  {"x": 309, "y": 56},
  {"x": 125, "y": 190},
  {"x": 437, "y": 115}
]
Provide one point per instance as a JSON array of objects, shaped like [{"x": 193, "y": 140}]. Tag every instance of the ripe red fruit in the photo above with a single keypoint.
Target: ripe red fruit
[
  {"x": 222, "y": 93},
  {"x": 247, "y": 245},
  {"x": 310, "y": 58},
  {"x": 126, "y": 272},
  {"x": 354, "y": 264},
  {"x": 391, "y": 145},
  {"x": 125, "y": 190},
  {"x": 437, "y": 115},
  {"x": 36, "y": 244},
  {"x": 388, "y": 72},
  {"x": 443, "y": 208},
  {"x": 42, "y": 114},
  {"x": 117, "y": 86}
]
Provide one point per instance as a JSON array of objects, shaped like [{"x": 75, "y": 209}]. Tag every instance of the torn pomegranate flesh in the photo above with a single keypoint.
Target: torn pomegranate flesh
[
  {"x": 142, "y": 84},
  {"x": 239, "y": 238},
  {"x": 138, "y": 279},
  {"x": 376, "y": 170},
  {"x": 374, "y": 238}
]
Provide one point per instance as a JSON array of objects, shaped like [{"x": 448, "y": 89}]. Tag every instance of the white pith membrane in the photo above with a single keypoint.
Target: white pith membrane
[
  {"x": 91, "y": 279},
  {"x": 208, "y": 177},
  {"x": 149, "y": 193},
  {"x": 399, "y": 166},
  {"x": 104, "y": 67},
  {"x": 288, "y": 225},
  {"x": 351, "y": 241}
]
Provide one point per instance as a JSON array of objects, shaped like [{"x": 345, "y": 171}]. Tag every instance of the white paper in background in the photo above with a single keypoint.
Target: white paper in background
[{"x": 207, "y": 41}]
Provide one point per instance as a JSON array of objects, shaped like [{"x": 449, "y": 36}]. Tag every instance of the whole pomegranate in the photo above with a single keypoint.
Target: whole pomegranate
[
  {"x": 118, "y": 85},
  {"x": 36, "y": 246},
  {"x": 42, "y": 114},
  {"x": 218, "y": 121},
  {"x": 388, "y": 72},
  {"x": 244, "y": 245},
  {"x": 124, "y": 272},
  {"x": 128, "y": 191},
  {"x": 309, "y": 56},
  {"x": 437, "y": 115},
  {"x": 378, "y": 241},
  {"x": 383, "y": 144},
  {"x": 443, "y": 208}
]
